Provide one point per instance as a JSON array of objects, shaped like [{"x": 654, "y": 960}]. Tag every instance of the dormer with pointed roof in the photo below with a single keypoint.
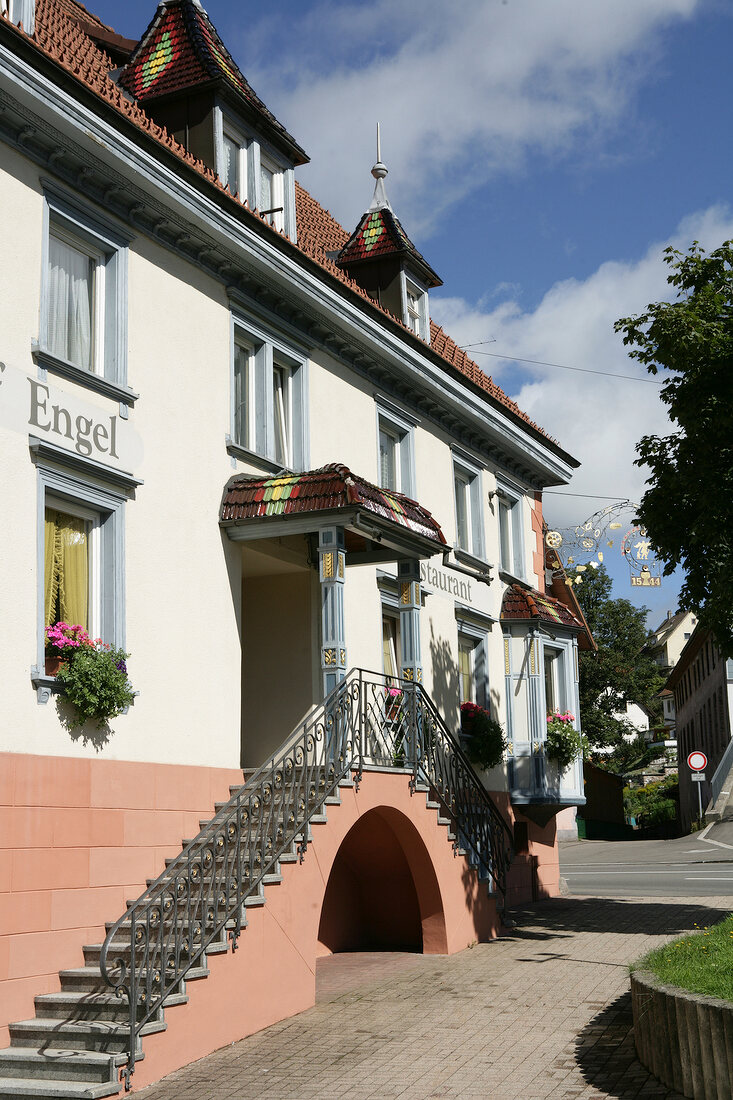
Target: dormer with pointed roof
[
  {"x": 383, "y": 260},
  {"x": 186, "y": 79}
]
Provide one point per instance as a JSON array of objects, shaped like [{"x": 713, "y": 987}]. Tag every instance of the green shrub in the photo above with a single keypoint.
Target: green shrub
[
  {"x": 95, "y": 683},
  {"x": 483, "y": 736}
]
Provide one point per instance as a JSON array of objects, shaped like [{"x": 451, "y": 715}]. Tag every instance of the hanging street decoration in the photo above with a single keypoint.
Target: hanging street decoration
[{"x": 583, "y": 546}]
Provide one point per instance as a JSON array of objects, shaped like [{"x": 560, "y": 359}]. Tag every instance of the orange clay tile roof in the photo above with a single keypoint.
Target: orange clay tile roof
[
  {"x": 378, "y": 234},
  {"x": 522, "y": 604},
  {"x": 331, "y": 487},
  {"x": 59, "y": 36}
]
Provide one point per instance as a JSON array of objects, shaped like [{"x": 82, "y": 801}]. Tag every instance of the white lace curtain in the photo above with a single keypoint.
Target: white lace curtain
[{"x": 70, "y": 289}]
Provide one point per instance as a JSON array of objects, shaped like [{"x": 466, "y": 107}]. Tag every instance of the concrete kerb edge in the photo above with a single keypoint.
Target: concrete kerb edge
[{"x": 704, "y": 1028}]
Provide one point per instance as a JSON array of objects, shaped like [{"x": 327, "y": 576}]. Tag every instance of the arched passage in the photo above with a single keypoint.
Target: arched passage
[{"x": 382, "y": 892}]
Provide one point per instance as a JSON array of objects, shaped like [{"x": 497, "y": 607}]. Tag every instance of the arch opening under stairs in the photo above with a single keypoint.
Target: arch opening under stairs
[{"x": 382, "y": 892}]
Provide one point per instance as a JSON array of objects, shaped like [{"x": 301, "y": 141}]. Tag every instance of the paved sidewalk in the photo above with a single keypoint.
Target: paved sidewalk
[{"x": 542, "y": 1014}]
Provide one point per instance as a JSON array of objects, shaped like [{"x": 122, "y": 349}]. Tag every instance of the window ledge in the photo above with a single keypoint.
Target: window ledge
[
  {"x": 466, "y": 558},
  {"x": 82, "y": 377},
  {"x": 511, "y": 578},
  {"x": 245, "y": 455}
]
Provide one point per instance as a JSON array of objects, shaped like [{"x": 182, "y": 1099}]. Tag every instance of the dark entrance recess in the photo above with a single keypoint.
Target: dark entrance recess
[{"x": 371, "y": 902}]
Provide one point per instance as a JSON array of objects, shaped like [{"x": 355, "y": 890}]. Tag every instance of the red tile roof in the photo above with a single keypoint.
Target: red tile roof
[
  {"x": 59, "y": 36},
  {"x": 332, "y": 487},
  {"x": 378, "y": 234},
  {"x": 522, "y": 604}
]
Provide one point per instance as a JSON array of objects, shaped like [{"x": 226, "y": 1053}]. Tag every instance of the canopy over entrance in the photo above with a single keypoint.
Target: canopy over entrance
[{"x": 379, "y": 525}]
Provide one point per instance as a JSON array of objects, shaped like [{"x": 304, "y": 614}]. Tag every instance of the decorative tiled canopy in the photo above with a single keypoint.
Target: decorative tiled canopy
[
  {"x": 526, "y": 604},
  {"x": 380, "y": 234},
  {"x": 181, "y": 50},
  {"x": 332, "y": 489}
]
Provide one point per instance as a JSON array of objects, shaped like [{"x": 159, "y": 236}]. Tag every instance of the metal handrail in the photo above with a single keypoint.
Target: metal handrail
[
  {"x": 368, "y": 719},
  {"x": 721, "y": 774}
]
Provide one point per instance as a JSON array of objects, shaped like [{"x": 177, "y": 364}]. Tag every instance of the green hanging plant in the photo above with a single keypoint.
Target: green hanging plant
[
  {"x": 563, "y": 742},
  {"x": 95, "y": 683},
  {"x": 484, "y": 739}
]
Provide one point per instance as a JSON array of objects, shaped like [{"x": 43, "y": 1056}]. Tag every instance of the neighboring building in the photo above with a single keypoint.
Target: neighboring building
[
  {"x": 234, "y": 444},
  {"x": 665, "y": 644},
  {"x": 702, "y": 683}
]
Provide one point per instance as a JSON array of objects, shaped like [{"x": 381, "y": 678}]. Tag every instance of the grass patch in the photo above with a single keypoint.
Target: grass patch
[{"x": 700, "y": 963}]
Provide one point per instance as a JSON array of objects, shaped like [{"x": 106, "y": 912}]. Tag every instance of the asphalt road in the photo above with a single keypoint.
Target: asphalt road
[{"x": 693, "y": 866}]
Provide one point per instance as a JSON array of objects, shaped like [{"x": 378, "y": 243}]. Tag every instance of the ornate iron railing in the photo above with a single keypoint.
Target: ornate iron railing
[{"x": 367, "y": 720}]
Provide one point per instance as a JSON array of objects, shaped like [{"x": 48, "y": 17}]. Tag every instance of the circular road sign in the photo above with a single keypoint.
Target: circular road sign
[{"x": 697, "y": 761}]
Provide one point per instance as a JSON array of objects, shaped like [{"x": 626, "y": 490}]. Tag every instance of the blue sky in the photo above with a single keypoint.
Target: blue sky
[{"x": 541, "y": 156}]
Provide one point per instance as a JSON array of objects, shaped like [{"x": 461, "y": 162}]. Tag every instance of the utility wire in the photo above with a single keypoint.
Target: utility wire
[{"x": 563, "y": 366}]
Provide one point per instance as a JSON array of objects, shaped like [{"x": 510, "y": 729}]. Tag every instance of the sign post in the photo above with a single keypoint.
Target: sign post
[{"x": 696, "y": 761}]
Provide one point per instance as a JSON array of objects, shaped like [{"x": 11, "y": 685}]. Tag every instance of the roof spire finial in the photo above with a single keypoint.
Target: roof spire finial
[{"x": 379, "y": 171}]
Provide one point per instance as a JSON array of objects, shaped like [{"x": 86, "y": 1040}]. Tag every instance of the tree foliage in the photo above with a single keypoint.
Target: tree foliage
[
  {"x": 619, "y": 673},
  {"x": 688, "y": 508}
]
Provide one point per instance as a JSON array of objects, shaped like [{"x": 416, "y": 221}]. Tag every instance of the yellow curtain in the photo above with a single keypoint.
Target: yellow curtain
[{"x": 66, "y": 569}]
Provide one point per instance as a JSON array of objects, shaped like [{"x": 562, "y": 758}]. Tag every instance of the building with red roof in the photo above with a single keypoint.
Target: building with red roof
[{"x": 295, "y": 527}]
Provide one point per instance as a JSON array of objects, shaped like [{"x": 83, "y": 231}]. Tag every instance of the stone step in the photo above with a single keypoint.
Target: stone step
[
  {"x": 104, "y": 1036},
  {"x": 91, "y": 1006},
  {"x": 29, "y": 1063},
  {"x": 49, "y": 1089},
  {"x": 89, "y": 979}
]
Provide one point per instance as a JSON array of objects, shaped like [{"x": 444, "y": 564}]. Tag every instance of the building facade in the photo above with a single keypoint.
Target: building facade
[
  {"x": 235, "y": 446},
  {"x": 702, "y": 683}
]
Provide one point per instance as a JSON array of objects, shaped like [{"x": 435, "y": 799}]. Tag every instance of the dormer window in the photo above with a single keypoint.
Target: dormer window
[
  {"x": 271, "y": 197},
  {"x": 233, "y": 171},
  {"x": 416, "y": 308},
  {"x": 20, "y": 11}
]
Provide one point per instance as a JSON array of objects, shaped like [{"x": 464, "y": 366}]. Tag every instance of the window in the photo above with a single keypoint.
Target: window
[
  {"x": 268, "y": 399},
  {"x": 244, "y": 367},
  {"x": 71, "y": 565},
  {"x": 395, "y": 431},
  {"x": 473, "y": 643},
  {"x": 391, "y": 645},
  {"x": 83, "y": 292},
  {"x": 555, "y": 690},
  {"x": 234, "y": 168},
  {"x": 467, "y": 682},
  {"x": 20, "y": 11},
  {"x": 271, "y": 199},
  {"x": 467, "y": 497},
  {"x": 80, "y": 546},
  {"x": 511, "y": 555},
  {"x": 283, "y": 411},
  {"x": 415, "y": 307}
]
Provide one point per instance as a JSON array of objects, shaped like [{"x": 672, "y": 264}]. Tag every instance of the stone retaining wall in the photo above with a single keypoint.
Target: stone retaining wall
[{"x": 684, "y": 1039}]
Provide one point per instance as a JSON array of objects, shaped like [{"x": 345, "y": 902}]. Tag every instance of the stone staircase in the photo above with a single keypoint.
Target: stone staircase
[
  {"x": 76, "y": 1046},
  {"x": 84, "y": 1038}
]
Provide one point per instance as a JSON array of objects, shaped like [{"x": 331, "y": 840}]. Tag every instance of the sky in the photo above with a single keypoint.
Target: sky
[{"x": 541, "y": 156}]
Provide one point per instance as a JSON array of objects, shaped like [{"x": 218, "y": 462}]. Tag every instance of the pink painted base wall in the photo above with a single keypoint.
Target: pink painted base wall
[
  {"x": 272, "y": 973},
  {"x": 535, "y": 873},
  {"x": 77, "y": 839}
]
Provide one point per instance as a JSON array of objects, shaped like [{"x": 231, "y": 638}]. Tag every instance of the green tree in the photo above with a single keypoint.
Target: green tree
[
  {"x": 688, "y": 509},
  {"x": 619, "y": 673}
]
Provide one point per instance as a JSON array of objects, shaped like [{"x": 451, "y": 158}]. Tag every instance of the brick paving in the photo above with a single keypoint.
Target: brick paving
[{"x": 541, "y": 1014}]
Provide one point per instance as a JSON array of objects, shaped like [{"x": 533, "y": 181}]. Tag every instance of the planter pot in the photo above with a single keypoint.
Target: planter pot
[{"x": 54, "y": 663}]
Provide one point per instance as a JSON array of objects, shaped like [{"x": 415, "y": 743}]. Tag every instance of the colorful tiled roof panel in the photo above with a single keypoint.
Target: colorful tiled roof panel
[
  {"x": 331, "y": 487},
  {"x": 524, "y": 604},
  {"x": 181, "y": 49},
  {"x": 379, "y": 233}
]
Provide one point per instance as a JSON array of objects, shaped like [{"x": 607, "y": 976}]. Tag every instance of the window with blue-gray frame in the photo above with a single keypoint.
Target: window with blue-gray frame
[
  {"x": 255, "y": 172},
  {"x": 511, "y": 541},
  {"x": 83, "y": 313},
  {"x": 80, "y": 555},
  {"x": 473, "y": 657},
  {"x": 395, "y": 442},
  {"x": 20, "y": 11},
  {"x": 269, "y": 398},
  {"x": 468, "y": 511}
]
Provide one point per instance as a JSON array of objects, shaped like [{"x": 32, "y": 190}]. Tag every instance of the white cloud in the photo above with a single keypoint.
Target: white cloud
[
  {"x": 463, "y": 90},
  {"x": 599, "y": 420}
]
